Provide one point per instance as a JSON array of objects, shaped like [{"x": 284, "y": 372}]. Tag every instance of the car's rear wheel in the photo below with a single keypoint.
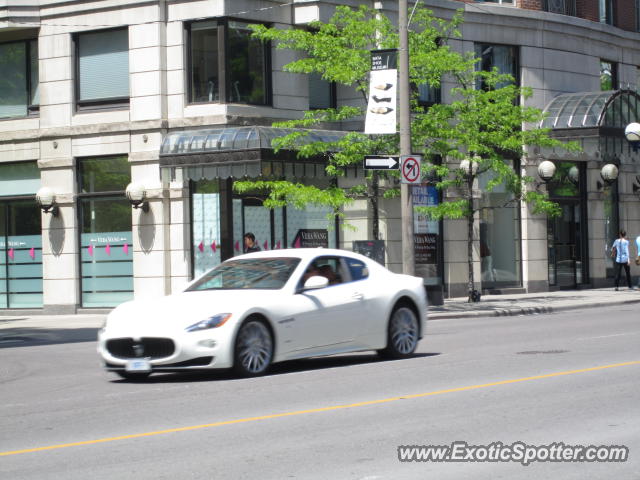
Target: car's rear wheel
[
  {"x": 402, "y": 334},
  {"x": 253, "y": 349},
  {"x": 133, "y": 375}
]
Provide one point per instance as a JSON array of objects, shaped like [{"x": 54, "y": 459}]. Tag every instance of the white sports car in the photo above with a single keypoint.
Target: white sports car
[{"x": 265, "y": 307}]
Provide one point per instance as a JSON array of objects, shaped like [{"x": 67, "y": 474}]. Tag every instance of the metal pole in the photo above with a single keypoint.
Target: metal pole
[{"x": 406, "y": 197}]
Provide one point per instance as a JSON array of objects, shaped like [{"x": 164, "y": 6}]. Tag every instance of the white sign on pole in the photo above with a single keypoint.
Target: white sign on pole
[
  {"x": 381, "y": 109},
  {"x": 410, "y": 168}
]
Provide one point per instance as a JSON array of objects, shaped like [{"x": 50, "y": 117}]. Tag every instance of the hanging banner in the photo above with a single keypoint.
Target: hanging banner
[{"x": 383, "y": 87}]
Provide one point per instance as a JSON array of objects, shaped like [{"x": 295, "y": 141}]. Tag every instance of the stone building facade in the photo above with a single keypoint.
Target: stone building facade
[{"x": 97, "y": 95}]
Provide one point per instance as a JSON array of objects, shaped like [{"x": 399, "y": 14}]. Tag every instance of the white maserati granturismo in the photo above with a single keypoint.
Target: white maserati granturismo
[{"x": 265, "y": 307}]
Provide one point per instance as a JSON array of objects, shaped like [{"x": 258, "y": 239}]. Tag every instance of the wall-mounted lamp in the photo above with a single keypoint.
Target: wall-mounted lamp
[
  {"x": 136, "y": 195},
  {"x": 46, "y": 200},
  {"x": 632, "y": 134},
  {"x": 469, "y": 166},
  {"x": 546, "y": 170},
  {"x": 609, "y": 174}
]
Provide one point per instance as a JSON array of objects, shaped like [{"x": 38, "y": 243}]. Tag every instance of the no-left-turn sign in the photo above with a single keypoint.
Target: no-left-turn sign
[{"x": 410, "y": 168}]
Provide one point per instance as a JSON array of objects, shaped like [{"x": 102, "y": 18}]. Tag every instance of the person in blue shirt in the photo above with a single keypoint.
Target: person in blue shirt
[{"x": 622, "y": 258}]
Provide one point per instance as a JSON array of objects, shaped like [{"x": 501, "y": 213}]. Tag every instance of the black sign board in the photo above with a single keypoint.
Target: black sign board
[
  {"x": 311, "y": 238},
  {"x": 373, "y": 249},
  {"x": 425, "y": 247},
  {"x": 381, "y": 162},
  {"x": 384, "y": 59}
]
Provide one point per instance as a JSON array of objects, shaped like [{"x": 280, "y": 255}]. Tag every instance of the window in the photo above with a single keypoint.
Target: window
[
  {"x": 102, "y": 69},
  {"x": 322, "y": 94},
  {"x": 606, "y": 11},
  {"x": 227, "y": 65},
  {"x": 500, "y": 2},
  {"x": 358, "y": 269},
  {"x": 428, "y": 95},
  {"x": 19, "y": 85},
  {"x": 105, "y": 232},
  {"x": 563, "y": 7},
  {"x": 608, "y": 75},
  {"x": 503, "y": 57},
  {"x": 20, "y": 237}
]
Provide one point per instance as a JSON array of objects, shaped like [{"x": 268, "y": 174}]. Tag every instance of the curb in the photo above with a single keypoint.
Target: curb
[{"x": 514, "y": 312}]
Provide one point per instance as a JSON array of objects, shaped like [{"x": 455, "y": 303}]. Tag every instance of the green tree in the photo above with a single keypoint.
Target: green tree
[{"x": 482, "y": 124}]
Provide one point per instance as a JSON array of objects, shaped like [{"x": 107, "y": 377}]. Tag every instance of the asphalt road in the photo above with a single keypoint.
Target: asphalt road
[{"x": 483, "y": 380}]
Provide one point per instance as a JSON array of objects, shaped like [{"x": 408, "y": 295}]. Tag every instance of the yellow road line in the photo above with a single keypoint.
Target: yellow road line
[{"x": 317, "y": 410}]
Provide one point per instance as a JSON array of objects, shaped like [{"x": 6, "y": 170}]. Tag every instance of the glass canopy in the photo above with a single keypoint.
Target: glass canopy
[
  {"x": 615, "y": 108},
  {"x": 237, "y": 139}
]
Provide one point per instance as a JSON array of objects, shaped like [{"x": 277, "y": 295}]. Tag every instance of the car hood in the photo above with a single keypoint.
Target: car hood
[{"x": 176, "y": 312}]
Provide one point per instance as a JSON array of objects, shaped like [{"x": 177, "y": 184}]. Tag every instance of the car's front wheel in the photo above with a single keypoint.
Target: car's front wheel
[
  {"x": 253, "y": 349},
  {"x": 402, "y": 334}
]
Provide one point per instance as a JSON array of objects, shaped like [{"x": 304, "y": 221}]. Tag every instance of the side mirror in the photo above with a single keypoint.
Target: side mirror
[{"x": 315, "y": 282}]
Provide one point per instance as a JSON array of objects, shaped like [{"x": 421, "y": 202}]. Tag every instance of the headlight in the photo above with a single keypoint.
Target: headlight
[{"x": 211, "y": 322}]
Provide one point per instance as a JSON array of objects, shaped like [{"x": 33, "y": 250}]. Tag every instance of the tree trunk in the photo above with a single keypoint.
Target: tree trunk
[{"x": 470, "y": 221}]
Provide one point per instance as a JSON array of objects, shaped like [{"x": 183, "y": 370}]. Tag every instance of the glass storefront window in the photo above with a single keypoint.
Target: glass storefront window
[
  {"x": 106, "y": 241},
  {"x": 20, "y": 255},
  {"x": 20, "y": 237},
  {"x": 109, "y": 174},
  {"x": 500, "y": 247},
  {"x": 207, "y": 242}
]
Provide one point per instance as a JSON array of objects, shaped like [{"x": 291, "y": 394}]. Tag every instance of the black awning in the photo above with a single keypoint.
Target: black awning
[{"x": 224, "y": 152}]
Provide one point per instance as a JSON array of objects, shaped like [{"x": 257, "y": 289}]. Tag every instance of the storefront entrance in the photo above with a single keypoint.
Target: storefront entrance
[
  {"x": 567, "y": 233},
  {"x": 566, "y": 260}
]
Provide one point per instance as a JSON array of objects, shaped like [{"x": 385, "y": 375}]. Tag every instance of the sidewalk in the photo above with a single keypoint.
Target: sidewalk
[
  {"x": 489, "y": 306},
  {"x": 532, "y": 303}
]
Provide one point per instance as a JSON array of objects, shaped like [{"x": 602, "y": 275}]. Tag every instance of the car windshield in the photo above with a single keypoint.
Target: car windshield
[{"x": 259, "y": 273}]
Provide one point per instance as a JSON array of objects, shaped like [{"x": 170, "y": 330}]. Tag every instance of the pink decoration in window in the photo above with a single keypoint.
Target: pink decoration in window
[
  {"x": 108, "y": 249},
  {"x": 201, "y": 247},
  {"x": 125, "y": 247},
  {"x": 213, "y": 247},
  {"x": 12, "y": 254},
  {"x": 90, "y": 250},
  {"x": 32, "y": 253}
]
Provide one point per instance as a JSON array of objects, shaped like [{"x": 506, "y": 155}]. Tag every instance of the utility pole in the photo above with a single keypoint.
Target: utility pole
[{"x": 406, "y": 197}]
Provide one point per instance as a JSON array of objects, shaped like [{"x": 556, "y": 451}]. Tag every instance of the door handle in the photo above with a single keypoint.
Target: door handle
[{"x": 357, "y": 296}]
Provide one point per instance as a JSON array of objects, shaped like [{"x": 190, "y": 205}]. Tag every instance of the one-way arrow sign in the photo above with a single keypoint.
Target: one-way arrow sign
[{"x": 381, "y": 162}]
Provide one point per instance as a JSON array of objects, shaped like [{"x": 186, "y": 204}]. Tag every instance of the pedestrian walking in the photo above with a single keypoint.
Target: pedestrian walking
[{"x": 620, "y": 253}]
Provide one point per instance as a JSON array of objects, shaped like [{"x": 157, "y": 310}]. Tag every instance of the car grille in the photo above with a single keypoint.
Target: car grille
[{"x": 147, "y": 347}]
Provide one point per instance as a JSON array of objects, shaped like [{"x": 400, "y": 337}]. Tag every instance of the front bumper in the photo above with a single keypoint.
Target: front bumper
[{"x": 207, "y": 349}]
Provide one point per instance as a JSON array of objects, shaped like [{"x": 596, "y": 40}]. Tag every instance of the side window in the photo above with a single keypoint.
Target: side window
[
  {"x": 358, "y": 269},
  {"x": 328, "y": 267}
]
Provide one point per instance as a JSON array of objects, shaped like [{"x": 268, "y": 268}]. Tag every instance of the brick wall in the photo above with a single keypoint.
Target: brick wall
[
  {"x": 625, "y": 15},
  {"x": 531, "y": 4},
  {"x": 588, "y": 9}
]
